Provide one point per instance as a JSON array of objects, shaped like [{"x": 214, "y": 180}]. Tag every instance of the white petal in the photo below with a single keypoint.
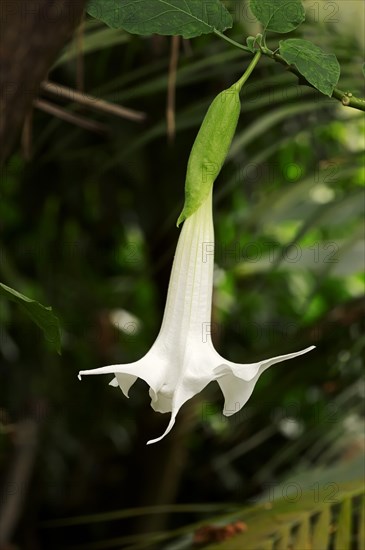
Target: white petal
[
  {"x": 168, "y": 429},
  {"x": 185, "y": 391},
  {"x": 159, "y": 402},
  {"x": 189, "y": 297},
  {"x": 268, "y": 362},
  {"x": 195, "y": 371},
  {"x": 236, "y": 392},
  {"x": 151, "y": 368},
  {"x": 237, "y": 381},
  {"x": 125, "y": 382}
]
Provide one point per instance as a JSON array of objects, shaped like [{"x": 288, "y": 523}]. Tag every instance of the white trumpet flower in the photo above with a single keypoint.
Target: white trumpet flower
[{"x": 182, "y": 360}]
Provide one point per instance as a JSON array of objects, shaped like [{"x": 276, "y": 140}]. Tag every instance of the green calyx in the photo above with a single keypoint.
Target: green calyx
[
  {"x": 210, "y": 149},
  {"x": 212, "y": 143}
]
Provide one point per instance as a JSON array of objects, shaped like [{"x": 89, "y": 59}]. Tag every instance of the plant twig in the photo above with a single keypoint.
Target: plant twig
[
  {"x": 346, "y": 98},
  {"x": 91, "y": 102},
  {"x": 233, "y": 42},
  {"x": 349, "y": 100},
  {"x": 67, "y": 116},
  {"x": 171, "y": 88}
]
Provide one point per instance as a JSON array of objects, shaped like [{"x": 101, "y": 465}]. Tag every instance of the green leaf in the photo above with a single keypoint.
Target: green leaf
[
  {"x": 363, "y": 69},
  {"x": 188, "y": 18},
  {"x": 320, "y": 69},
  {"x": 41, "y": 315},
  {"x": 278, "y": 15}
]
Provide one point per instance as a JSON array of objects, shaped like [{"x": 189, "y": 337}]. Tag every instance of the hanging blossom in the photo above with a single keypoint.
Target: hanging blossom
[{"x": 182, "y": 361}]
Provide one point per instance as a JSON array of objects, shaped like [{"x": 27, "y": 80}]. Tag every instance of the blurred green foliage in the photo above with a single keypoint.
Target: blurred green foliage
[{"x": 88, "y": 226}]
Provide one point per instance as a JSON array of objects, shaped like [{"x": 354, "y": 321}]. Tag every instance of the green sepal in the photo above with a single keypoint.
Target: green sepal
[{"x": 250, "y": 42}]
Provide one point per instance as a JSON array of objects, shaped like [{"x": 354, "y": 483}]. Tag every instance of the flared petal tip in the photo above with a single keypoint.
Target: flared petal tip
[
  {"x": 168, "y": 429},
  {"x": 153, "y": 441},
  {"x": 229, "y": 412},
  {"x": 156, "y": 440},
  {"x": 306, "y": 350},
  {"x": 79, "y": 376}
]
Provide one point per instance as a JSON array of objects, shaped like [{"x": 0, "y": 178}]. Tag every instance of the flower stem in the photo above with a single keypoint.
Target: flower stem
[
  {"x": 249, "y": 70},
  {"x": 233, "y": 42}
]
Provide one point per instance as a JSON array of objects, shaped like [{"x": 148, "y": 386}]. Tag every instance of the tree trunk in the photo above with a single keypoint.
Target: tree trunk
[{"x": 32, "y": 33}]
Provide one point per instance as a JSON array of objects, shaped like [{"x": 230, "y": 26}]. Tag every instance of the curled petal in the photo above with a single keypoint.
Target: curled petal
[
  {"x": 266, "y": 363},
  {"x": 125, "y": 382},
  {"x": 149, "y": 368},
  {"x": 168, "y": 429},
  {"x": 161, "y": 402},
  {"x": 185, "y": 391},
  {"x": 237, "y": 381}
]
